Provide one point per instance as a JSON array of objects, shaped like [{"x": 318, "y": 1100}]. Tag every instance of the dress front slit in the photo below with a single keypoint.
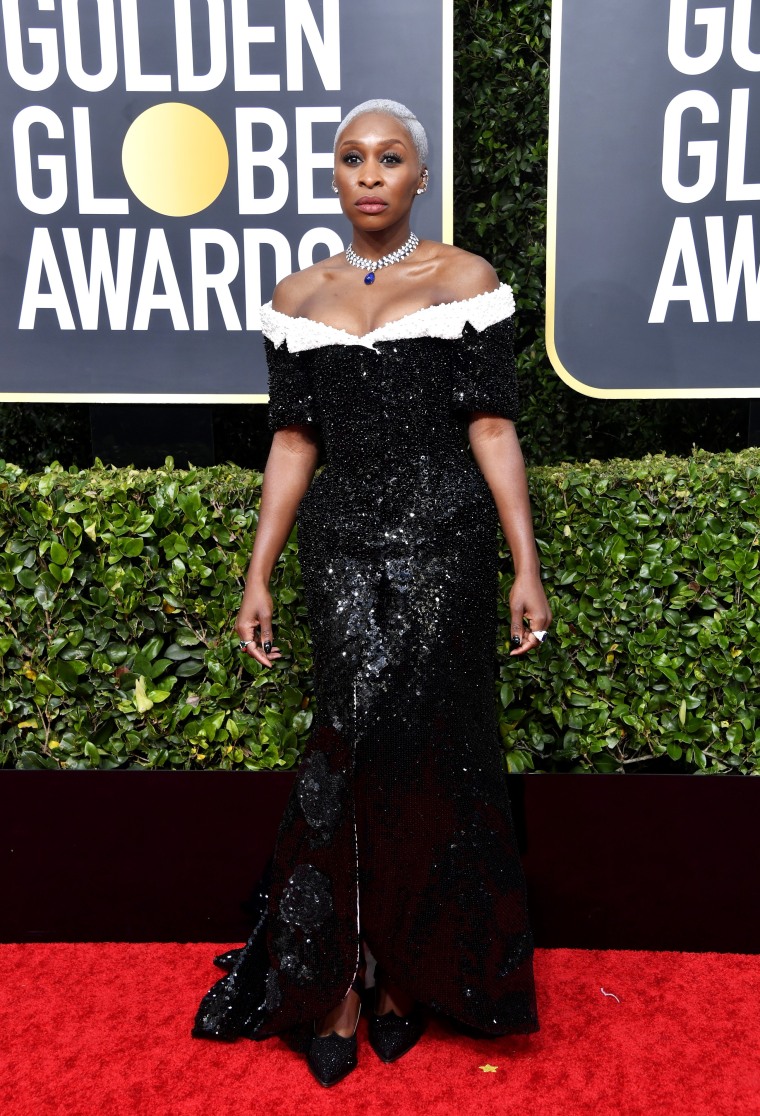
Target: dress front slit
[{"x": 398, "y": 831}]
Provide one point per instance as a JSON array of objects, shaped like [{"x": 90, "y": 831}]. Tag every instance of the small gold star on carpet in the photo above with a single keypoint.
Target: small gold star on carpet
[{"x": 488, "y": 1069}]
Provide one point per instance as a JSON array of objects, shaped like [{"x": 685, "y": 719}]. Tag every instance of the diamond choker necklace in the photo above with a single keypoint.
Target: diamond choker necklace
[{"x": 371, "y": 266}]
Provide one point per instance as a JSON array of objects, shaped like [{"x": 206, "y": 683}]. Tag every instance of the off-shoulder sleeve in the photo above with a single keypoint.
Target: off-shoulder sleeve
[
  {"x": 291, "y": 398},
  {"x": 484, "y": 370}
]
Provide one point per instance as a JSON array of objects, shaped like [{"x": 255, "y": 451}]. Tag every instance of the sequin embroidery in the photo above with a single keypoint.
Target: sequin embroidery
[{"x": 399, "y": 830}]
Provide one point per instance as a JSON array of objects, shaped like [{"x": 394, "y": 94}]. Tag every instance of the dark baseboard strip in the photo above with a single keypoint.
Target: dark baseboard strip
[{"x": 632, "y": 862}]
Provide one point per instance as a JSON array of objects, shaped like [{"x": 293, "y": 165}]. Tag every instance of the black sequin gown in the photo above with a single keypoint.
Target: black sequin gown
[{"x": 398, "y": 831}]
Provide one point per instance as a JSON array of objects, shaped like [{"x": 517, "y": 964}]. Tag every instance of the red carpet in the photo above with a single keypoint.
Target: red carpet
[{"x": 105, "y": 1029}]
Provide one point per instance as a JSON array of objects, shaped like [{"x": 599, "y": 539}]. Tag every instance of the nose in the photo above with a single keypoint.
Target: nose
[{"x": 370, "y": 175}]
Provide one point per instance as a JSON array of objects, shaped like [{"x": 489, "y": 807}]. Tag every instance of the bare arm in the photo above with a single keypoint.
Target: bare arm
[
  {"x": 497, "y": 451},
  {"x": 289, "y": 470}
]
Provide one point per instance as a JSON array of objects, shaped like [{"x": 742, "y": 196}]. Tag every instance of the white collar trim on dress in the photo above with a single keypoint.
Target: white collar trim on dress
[{"x": 445, "y": 320}]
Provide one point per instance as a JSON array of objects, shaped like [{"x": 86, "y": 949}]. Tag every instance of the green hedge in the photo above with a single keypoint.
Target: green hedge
[{"x": 119, "y": 590}]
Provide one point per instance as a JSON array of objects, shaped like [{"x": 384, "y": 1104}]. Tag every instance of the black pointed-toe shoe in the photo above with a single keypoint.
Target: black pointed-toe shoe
[
  {"x": 228, "y": 960},
  {"x": 391, "y": 1035},
  {"x": 332, "y": 1057}
]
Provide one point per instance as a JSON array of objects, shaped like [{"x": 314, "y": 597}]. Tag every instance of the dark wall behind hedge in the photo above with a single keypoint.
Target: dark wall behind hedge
[{"x": 502, "y": 70}]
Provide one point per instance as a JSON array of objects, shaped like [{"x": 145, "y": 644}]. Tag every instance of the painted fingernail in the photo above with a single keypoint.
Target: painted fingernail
[
  {"x": 267, "y": 647},
  {"x": 515, "y": 641}
]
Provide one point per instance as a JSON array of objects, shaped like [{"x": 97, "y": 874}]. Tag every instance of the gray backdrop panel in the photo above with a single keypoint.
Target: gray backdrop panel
[
  {"x": 613, "y": 217},
  {"x": 390, "y": 50}
]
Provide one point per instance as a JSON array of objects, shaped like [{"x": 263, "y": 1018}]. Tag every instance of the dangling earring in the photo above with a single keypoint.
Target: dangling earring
[
  {"x": 423, "y": 188},
  {"x": 335, "y": 188}
]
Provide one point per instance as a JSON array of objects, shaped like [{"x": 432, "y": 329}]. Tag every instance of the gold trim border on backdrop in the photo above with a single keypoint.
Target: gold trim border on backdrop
[
  {"x": 551, "y": 261},
  {"x": 447, "y": 236}
]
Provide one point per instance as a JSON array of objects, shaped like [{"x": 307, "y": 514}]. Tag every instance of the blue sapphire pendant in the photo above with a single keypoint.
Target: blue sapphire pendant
[{"x": 369, "y": 279}]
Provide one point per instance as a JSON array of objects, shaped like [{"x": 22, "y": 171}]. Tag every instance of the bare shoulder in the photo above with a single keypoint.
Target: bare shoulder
[
  {"x": 294, "y": 290},
  {"x": 466, "y": 274}
]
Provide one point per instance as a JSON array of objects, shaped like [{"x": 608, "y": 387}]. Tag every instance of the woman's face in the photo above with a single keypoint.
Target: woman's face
[{"x": 377, "y": 171}]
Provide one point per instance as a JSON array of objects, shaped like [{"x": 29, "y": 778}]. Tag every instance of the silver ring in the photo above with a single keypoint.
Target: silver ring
[
  {"x": 244, "y": 643},
  {"x": 540, "y": 636}
]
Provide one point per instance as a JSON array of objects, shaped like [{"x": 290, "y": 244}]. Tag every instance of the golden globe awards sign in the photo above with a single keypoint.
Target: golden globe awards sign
[
  {"x": 653, "y": 262},
  {"x": 166, "y": 162}
]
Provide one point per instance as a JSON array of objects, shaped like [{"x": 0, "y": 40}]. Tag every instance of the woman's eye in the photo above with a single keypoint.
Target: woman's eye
[{"x": 353, "y": 158}]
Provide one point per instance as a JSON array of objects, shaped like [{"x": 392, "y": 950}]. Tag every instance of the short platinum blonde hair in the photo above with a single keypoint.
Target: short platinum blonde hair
[{"x": 389, "y": 108}]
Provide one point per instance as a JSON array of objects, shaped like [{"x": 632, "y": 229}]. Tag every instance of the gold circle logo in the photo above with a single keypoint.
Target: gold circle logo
[{"x": 175, "y": 159}]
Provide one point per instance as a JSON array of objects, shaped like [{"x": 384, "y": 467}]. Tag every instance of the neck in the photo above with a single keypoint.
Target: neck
[{"x": 374, "y": 245}]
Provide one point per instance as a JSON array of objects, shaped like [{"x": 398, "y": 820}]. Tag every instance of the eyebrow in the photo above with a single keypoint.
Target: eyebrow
[{"x": 361, "y": 143}]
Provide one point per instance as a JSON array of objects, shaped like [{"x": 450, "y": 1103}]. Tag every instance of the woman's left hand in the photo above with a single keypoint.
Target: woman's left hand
[{"x": 528, "y": 603}]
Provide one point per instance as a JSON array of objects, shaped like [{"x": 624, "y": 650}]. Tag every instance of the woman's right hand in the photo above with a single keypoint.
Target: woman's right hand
[{"x": 256, "y": 613}]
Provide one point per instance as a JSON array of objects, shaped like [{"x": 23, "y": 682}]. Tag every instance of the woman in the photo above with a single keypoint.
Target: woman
[{"x": 398, "y": 835}]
